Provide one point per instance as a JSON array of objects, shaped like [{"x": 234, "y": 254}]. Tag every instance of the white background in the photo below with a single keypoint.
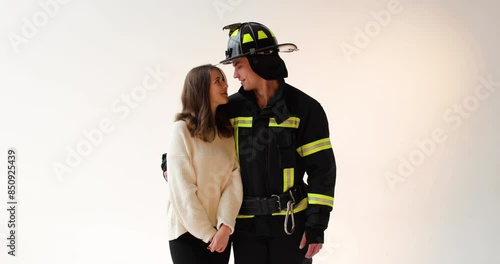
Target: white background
[{"x": 408, "y": 76}]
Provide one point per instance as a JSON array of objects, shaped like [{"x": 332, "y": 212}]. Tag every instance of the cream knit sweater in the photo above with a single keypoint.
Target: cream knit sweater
[{"x": 204, "y": 184}]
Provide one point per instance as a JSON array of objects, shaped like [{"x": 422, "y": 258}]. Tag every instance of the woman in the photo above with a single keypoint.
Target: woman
[{"x": 205, "y": 191}]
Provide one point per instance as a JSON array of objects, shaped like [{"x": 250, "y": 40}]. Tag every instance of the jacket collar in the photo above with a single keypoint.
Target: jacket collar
[{"x": 276, "y": 106}]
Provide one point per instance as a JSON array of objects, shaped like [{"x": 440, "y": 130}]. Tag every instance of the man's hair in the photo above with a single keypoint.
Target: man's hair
[{"x": 196, "y": 110}]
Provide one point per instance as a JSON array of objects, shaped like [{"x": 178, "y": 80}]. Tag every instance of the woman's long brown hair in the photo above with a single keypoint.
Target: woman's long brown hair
[{"x": 196, "y": 110}]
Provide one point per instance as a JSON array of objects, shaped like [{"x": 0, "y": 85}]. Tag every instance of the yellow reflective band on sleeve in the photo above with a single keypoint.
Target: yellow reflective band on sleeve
[
  {"x": 245, "y": 216},
  {"x": 235, "y": 32},
  {"x": 321, "y": 199},
  {"x": 261, "y": 34},
  {"x": 291, "y": 122},
  {"x": 241, "y": 121},
  {"x": 247, "y": 38},
  {"x": 314, "y": 147},
  {"x": 301, "y": 206},
  {"x": 288, "y": 178}
]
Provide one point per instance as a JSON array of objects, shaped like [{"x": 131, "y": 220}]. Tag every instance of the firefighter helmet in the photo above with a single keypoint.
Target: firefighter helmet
[{"x": 251, "y": 38}]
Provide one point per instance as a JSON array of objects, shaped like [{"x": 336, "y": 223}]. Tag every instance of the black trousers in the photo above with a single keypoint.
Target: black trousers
[
  {"x": 251, "y": 249},
  {"x": 188, "y": 249},
  {"x": 262, "y": 240}
]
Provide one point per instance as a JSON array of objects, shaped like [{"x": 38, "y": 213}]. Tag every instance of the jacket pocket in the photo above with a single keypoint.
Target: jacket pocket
[{"x": 285, "y": 140}]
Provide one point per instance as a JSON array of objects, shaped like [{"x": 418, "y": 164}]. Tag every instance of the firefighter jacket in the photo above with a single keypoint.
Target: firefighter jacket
[{"x": 277, "y": 146}]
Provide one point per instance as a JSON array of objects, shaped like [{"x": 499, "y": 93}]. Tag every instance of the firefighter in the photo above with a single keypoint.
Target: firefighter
[{"x": 281, "y": 135}]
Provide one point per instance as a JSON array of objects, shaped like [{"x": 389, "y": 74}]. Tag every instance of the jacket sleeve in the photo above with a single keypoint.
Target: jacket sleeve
[
  {"x": 316, "y": 155},
  {"x": 231, "y": 199},
  {"x": 182, "y": 187}
]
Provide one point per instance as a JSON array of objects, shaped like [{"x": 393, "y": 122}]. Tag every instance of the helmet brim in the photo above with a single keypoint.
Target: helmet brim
[{"x": 284, "y": 47}]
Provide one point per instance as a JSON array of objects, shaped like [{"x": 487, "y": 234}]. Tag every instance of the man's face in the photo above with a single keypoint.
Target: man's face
[{"x": 244, "y": 73}]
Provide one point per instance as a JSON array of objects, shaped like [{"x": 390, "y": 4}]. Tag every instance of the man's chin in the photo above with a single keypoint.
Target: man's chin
[{"x": 246, "y": 88}]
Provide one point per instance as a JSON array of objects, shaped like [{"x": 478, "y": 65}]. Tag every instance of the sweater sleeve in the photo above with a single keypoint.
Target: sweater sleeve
[
  {"x": 231, "y": 199},
  {"x": 182, "y": 186}
]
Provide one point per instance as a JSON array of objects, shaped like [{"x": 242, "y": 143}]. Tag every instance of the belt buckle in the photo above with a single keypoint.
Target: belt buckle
[{"x": 278, "y": 200}]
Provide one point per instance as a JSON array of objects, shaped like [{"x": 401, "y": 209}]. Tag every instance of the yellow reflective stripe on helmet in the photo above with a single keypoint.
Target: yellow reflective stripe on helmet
[
  {"x": 241, "y": 121},
  {"x": 301, "y": 206},
  {"x": 291, "y": 122},
  {"x": 247, "y": 38},
  {"x": 314, "y": 147},
  {"x": 321, "y": 199},
  {"x": 235, "y": 32},
  {"x": 261, "y": 35},
  {"x": 288, "y": 178}
]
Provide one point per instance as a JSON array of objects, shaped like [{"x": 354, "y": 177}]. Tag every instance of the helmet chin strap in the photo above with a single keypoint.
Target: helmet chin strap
[{"x": 269, "y": 67}]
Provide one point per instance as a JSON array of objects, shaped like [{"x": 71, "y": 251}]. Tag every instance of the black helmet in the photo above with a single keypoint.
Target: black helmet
[{"x": 251, "y": 38}]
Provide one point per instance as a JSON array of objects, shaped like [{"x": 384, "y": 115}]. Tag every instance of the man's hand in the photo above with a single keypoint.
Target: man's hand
[
  {"x": 219, "y": 241},
  {"x": 164, "y": 165},
  {"x": 312, "y": 248}
]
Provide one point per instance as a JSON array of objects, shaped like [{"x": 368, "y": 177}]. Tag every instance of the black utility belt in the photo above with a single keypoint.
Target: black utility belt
[{"x": 274, "y": 204}]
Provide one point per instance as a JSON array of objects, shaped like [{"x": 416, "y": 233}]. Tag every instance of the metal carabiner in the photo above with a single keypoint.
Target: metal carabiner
[{"x": 289, "y": 212}]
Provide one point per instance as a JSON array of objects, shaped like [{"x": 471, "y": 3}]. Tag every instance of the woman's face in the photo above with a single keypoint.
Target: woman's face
[{"x": 218, "y": 89}]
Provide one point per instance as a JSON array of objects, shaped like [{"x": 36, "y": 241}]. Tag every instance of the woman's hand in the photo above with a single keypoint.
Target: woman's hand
[{"x": 219, "y": 241}]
